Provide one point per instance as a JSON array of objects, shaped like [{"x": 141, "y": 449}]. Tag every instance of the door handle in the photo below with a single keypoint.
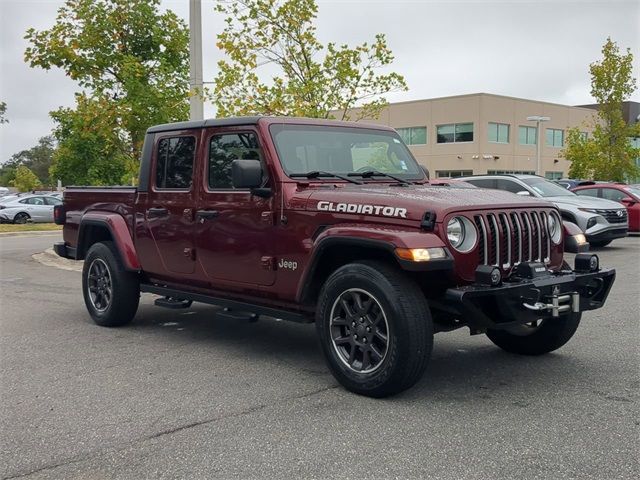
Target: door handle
[
  {"x": 206, "y": 214},
  {"x": 157, "y": 212}
]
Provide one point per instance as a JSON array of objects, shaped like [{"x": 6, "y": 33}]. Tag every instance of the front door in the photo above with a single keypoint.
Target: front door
[
  {"x": 169, "y": 207},
  {"x": 234, "y": 229}
]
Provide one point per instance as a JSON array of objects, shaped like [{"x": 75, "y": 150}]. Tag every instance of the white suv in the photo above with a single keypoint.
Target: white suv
[{"x": 601, "y": 220}]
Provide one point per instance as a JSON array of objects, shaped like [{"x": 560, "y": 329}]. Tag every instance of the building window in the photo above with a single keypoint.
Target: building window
[
  {"x": 584, "y": 135},
  {"x": 413, "y": 135},
  {"x": 455, "y": 133},
  {"x": 453, "y": 173},
  {"x": 498, "y": 132},
  {"x": 510, "y": 172},
  {"x": 555, "y": 137},
  {"x": 553, "y": 175},
  {"x": 527, "y": 135}
]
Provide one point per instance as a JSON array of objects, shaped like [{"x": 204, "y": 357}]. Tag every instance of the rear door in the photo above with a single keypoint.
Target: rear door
[
  {"x": 169, "y": 205},
  {"x": 234, "y": 229}
]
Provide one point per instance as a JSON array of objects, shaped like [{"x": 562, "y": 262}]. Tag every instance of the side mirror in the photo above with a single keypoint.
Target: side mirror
[
  {"x": 246, "y": 173},
  {"x": 524, "y": 193},
  {"x": 628, "y": 202}
]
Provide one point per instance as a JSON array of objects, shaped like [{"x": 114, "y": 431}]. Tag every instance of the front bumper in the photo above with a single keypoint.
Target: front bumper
[
  {"x": 526, "y": 300},
  {"x": 607, "y": 235}
]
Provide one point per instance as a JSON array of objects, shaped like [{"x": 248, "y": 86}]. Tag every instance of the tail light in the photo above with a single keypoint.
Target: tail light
[{"x": 59, "y": 215}]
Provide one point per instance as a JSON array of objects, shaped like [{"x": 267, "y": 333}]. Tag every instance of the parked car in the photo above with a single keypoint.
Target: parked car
[
  {"x": 627, "y": 195},
  {"x": 22, "y": 209},
  {"x": 333, "y": 222},
  {"x": 570, "y": 183},
  {"x": 601, "y": 220}
]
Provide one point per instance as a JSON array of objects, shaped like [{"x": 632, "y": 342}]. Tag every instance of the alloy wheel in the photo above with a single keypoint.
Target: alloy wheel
[{"x": 359, "y": 330}]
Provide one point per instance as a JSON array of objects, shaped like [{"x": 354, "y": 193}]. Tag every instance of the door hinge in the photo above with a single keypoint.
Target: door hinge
[
  {"x": 190, "y": 253},
  {"x": 268, "y": 263},
  {"x": 187, "y": 214}
]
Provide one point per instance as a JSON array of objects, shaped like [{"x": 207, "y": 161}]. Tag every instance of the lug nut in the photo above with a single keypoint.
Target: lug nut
[
  {"x": 355, "y": 337},
  {"x": 364, "y": 340},
  {"x": 369, "y": 329}
]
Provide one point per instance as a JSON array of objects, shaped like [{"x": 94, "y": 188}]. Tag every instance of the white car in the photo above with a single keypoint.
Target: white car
[{"x": 31, "y": 208}]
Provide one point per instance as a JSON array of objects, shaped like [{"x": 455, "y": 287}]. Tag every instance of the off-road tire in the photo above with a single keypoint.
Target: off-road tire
[
  {"x": 410, "y": 328},
  {"x": 21, "y": 218},
  {"x": 550, "y": 335},
  {"x": 125, "y": 287},
  {"x": 600, "y": 244}
]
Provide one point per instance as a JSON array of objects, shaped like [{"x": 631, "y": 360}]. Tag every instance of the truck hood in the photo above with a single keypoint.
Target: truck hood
[
  {"x": 581, "y": 201},
  {"x": 411, "y": 202}
]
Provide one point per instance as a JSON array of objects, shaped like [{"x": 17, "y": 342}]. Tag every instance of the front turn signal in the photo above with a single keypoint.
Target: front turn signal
[{"x": 421, "y": 254}]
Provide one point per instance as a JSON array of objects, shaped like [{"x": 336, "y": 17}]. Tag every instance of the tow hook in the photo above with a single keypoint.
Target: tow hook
[{"x": 566, "y": 302}]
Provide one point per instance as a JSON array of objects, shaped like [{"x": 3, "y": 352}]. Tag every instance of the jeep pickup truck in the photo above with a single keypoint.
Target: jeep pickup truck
[{"x": 332, "y": 222}]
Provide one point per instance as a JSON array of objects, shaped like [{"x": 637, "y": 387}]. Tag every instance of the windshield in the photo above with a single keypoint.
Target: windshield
[
  {"x": 633, "y": 190},
  {"x": 545, "y": 188},
  {"x": 343, "y": 150}
]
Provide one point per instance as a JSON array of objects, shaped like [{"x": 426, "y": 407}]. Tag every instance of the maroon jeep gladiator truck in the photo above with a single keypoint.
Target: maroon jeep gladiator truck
[{"x": 332, "y": 222}]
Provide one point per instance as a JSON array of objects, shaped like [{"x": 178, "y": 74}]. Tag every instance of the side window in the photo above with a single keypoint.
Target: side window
[
  {"x": 35, "y": 201},
  {"x": 613, "y": 194},
  {"x": 174, "y": 165},
  {"x": 223, "y": 150},
  {"x": 588, "y": 192},
  {"x": 483, "y": 182},
  {"x": 510, "y": 186},
  {"x": 52, "y": 201}
]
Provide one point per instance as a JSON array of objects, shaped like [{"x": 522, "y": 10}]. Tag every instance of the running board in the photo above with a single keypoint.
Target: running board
[{"x": 230, "y": 304}]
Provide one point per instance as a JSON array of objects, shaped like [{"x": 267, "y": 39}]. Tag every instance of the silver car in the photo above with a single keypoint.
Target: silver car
[
  {"x": 601, "y": 220},
  {"x": 34, "y": 208}
]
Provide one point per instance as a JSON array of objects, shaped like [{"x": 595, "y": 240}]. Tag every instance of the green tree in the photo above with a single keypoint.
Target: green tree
[
  {"x": 131, "y": 60},
  {"x": 25, "y": 180},
  {"x": 37, "y": 159},
  {"x": 608, "y": 153},
  {"x": 90, "y": 156},
  {"x": 313, "y": 80},
  {"x": 3, "y": 112}
]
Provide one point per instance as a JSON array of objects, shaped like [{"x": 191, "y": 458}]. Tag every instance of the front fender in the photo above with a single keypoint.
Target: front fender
[
  {"x": 120, "y": 234},
  {"x": 371, "y": 237}
]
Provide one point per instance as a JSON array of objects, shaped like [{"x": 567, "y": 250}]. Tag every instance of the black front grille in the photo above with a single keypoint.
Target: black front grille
[
  {"x": 508, "y": 238},
  {"x": 614, "y": 216}
]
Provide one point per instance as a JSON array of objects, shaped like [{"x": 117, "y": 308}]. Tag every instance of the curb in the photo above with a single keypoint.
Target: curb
[
  {"x": 44, "y": 233},
  {"x": 51, "y": 259}
]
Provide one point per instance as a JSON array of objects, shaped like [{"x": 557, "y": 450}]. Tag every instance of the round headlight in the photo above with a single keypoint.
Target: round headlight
[
  {"x": 455, "y": 232},
  {"x": 555, "y": 228},
  {"x": 462, "y": 234}
]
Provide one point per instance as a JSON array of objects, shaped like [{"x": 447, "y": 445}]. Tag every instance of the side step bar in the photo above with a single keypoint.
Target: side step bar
[{"x": 231, "y": 304}]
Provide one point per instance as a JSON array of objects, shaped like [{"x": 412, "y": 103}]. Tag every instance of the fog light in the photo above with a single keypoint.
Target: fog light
[
  {"x": 488, "y": 275},
  {"x": 591, "y": 222},
  {"x": 421, "y": 254},
  {"x": 586, "y": 262}
]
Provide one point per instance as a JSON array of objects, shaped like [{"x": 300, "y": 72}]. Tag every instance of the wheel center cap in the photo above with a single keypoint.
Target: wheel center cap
[{"x": 361, "y": 330}]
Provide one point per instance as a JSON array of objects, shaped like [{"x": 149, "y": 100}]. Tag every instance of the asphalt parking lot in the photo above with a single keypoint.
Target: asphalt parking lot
[{"x": 194, "y": 394}]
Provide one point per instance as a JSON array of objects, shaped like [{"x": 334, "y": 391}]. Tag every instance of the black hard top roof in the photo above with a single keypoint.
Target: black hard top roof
[
  {"x": 239, "y": 121},
  {"x": 209, "y": 122}
]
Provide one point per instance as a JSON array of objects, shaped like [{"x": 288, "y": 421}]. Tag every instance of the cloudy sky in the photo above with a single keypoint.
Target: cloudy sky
[{"x": 538, "y": 49}]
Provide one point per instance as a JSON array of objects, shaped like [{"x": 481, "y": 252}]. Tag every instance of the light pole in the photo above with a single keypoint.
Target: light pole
[
  {"x": 538, "y": 119},
  {"x": 196, "y": 108}
]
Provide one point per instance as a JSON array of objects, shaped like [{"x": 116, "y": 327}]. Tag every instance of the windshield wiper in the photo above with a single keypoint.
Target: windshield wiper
[
  {"x": 318, "y": 174},
  {"x": 376, "y": 173}
]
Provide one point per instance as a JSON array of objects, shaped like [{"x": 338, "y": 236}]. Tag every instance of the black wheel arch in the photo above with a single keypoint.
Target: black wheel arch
[{"x": 91, "y": 232}]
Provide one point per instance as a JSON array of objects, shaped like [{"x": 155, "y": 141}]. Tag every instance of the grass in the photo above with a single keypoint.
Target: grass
[{"x": 28, "y": 227}]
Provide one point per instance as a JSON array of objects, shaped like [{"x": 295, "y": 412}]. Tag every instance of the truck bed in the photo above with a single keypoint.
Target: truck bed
[{"x": 81, "y": 200}]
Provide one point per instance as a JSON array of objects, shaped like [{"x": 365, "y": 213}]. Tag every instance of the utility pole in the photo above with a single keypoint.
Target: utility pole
[
  {"x": 538, "y": 119},
  {"x": 196, "y": 107}
]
